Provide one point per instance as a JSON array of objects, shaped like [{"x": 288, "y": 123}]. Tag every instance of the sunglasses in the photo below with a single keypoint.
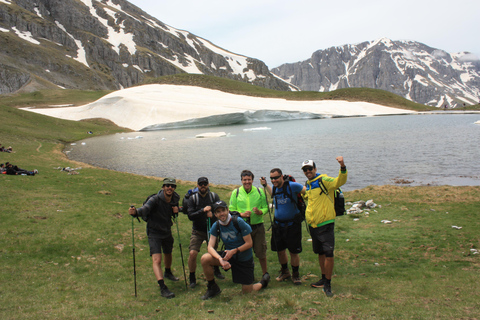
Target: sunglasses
[
  {"x": 170, "y": 186},
  {"x": 305, "y": 169},
  {"x": 275, "y": 178},
  {"x": 203, "y": 184}
]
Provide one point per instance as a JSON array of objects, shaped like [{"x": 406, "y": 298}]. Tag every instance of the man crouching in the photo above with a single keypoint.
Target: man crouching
[{"x": 235, "y": 234}]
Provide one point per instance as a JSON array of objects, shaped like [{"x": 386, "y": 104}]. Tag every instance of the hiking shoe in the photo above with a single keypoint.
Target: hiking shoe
[
  {"x": 211, "y": 292},
  {"x": 284, "y": 275},
  {"x": 170, "y": 276},
  {"x": 296, "y": 278},
  {"x": 192, "y": 284},
  {"x": 327, "y": 288},
  {"x": 265, "y": 280},
  {"x": 218, "y": 274},
  {"x": 318, "y": 284},
  {"x": 166, "y": 293}
]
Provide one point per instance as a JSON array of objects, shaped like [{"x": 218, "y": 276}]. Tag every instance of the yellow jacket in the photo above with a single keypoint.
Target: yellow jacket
[{"x": 320, "y": 207}]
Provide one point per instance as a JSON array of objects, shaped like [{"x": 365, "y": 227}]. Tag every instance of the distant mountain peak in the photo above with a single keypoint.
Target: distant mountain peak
[
  {"x": 410, "y": 69},
  {"x": 107, "y": 44}
]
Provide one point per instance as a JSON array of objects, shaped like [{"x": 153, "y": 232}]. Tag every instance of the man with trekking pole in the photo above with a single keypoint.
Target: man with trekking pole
[
  {"x": 287, "y": 226},
  {"x": 158, "y": 211},
  {"x": 320, "y": 216},
  {"x": 200, "y": 213}
]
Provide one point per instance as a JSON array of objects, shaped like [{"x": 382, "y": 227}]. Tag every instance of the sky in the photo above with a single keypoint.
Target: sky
[{"x": 281, "y": 31}]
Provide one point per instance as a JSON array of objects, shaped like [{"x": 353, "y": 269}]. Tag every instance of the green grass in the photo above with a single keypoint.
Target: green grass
[{"x": 66, "y": 247}]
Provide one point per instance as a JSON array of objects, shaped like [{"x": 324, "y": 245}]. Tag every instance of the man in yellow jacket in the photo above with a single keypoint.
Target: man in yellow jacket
[{"x": 320, "y": 217}]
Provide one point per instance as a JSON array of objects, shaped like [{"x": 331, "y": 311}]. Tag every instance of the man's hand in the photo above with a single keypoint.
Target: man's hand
[
  {"x": 175, "y": 211},
  {"x": 257, "y": 212},
  {"x": 132, "y": 211},
  {"x": 263, "y": 181},
  {"x": 340, "y": 161},
  {"x": 246, "y": 214},
  {"x": 224, "y": 264}
]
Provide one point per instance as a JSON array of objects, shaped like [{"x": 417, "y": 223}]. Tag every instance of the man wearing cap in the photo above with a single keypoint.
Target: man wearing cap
[
  {"x": 158, "y": 211},
  {"x": 287, "y": 227},
  {"x": 235, "y": 234},
  {"x": 251, "y": 203},
  {"x": 320, "y": 216},
  {"x": 200, "y": 212}
]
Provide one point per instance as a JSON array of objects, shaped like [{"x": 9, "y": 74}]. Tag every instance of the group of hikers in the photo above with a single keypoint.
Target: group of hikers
[{"x": 240, "y": 226}]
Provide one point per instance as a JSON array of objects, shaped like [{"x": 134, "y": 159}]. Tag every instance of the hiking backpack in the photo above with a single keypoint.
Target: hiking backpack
[
  {"x": 194, "y": 193},
  {"x": 299, "y": 202},
  {"x": 339, "y": 199}
]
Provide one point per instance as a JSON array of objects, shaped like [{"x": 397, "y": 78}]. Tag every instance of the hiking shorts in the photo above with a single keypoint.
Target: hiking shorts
[
  {"x": 259, "y": 242},
  {"x": 242, "y": 271},
  {"x": 323, "y": 239},
  {"x": 288, "y": 237},
  {"x": 158, "y": 244},
  {"x": 196, "y": 240}
]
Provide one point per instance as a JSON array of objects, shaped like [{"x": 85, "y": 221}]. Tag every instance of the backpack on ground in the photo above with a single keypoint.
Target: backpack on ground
[
  {"x": 287, "y": 191},
  {"x": 339, "y": 199}
]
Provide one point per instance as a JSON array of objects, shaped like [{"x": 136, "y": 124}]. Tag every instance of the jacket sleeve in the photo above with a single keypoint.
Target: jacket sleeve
[
  {"x": 334, "y": 183},
  {"x": 145, "y": 210},
  {"x": 233, "y": 201},
  {"x": 193, "y": 213},
  {"x": 263, "y": 202}
]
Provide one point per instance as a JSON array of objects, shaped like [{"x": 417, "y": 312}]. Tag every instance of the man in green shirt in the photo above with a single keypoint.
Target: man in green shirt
[{"x": 251, "y": 203}]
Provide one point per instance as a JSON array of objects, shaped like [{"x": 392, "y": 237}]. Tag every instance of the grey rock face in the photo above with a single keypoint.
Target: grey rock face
[
  {"x": 409, "y": 69},
  {"x": 107, "y": 44}
]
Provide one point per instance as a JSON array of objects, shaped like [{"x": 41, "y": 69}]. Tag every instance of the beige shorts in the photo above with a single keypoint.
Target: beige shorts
[
  {"x": 259, "y": 242},
  {"x": 196, "y": 240}
]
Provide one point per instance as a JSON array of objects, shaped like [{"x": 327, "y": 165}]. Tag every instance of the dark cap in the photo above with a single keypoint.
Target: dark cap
[
  {"x": 169, "y": 181},
  {"x": 219, "y": 204},
  {"x": 202, "y": 179}
]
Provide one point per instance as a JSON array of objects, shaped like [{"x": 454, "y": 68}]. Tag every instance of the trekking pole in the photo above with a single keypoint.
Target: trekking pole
[
  {"x": 209, "y": 226},
  {"x": 270, "y": 214},
  {"x": 134, "y": 266},
  {"x": 181, "y": 253}
]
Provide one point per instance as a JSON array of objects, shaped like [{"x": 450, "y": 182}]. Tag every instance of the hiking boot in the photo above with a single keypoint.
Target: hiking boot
[
  {"x": 170, "y": 276},
  {"x": 318, "y": 284},
  {"x": 218, "y": 274},
  {"x": 327, "y": 288},
  {"x": 296, "y": 278},
  {"x": 166, "y": 293},
  {"x": 265, "y": 280},
  {"x": 211, "y": 292},
  {"x": 192, "y": 284},
  {"x": 284, "y": 275}
]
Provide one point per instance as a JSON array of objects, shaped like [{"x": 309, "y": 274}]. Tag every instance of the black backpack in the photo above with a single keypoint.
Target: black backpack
[
  {"x": 287, "y": 191},
  {"x": 194, "y": 193},
  {"x": 339, "y": 199}
]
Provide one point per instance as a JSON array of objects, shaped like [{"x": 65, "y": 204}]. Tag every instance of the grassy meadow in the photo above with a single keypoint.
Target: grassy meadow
[{"x": 66, "y": 246}]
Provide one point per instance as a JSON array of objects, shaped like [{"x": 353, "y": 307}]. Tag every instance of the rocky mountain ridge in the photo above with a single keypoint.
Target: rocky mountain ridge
[
  {"x": 106, "y": 44},
  {"x": 407, "y": 68}
]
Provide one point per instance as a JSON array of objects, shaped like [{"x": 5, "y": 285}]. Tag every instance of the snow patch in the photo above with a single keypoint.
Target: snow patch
[
  {"x": 25, "y": 35},
  {"x": 154, "y": 107},
  {"x": 81, "y": 53}
]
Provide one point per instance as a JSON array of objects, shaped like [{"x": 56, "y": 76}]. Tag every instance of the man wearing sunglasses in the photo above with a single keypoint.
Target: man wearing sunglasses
[
  {"x": 200, "y": 213},
  {"x": 287, "y": 227},
  {"x": 320, "y": 217},
  {"x": 158, "y": 211}
]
